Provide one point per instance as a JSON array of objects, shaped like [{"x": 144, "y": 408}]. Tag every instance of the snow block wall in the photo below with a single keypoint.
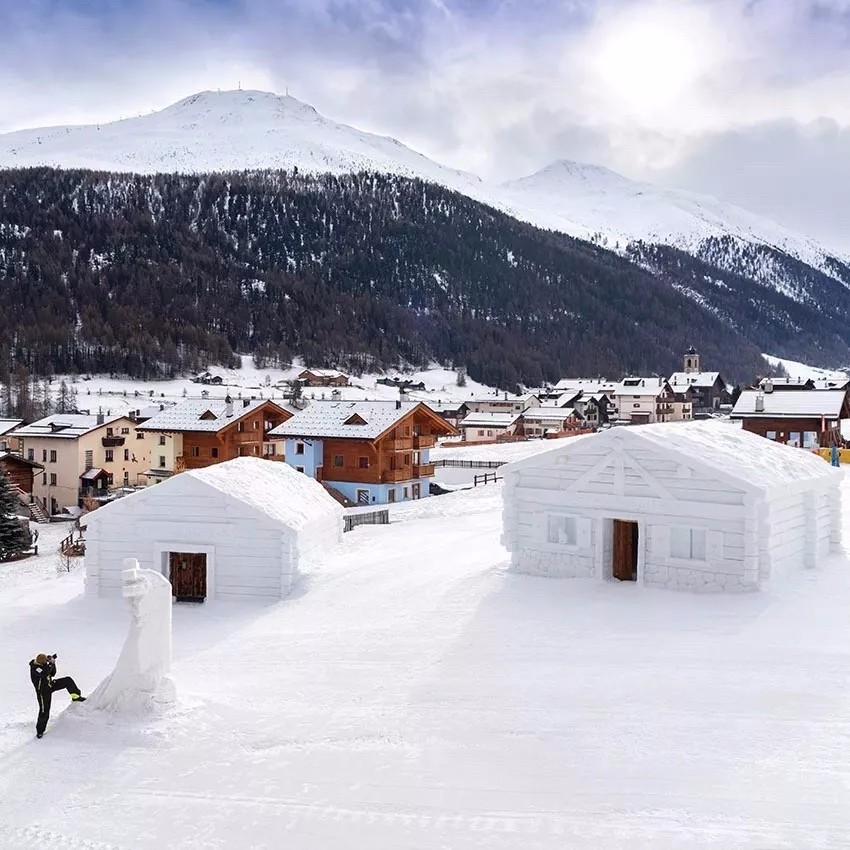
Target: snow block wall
[
  {"x": 141, "y": 680},
  {"x": 715, "y": 509}
]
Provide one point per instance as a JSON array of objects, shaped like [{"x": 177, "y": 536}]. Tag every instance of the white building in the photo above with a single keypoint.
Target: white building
[
  {"x": 482, "y": 427},
  {"x": 503, "y": 404},
  {"x": 245, "y": 527},
  {"x": 697, "y": 505}
]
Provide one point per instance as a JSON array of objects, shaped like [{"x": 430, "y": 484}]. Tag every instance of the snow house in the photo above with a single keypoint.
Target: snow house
[
  {"x": 242, "y": 528},
  {"x": 699, "y": 506}
]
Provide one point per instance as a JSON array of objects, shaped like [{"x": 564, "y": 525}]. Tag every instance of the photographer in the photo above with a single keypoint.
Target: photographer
[{"x": 42, "y": 671}]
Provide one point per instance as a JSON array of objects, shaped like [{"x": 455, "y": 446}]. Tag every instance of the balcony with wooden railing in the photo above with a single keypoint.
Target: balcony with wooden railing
[
  {"x": 424, "y": 441},
  {"x": 390, "y": 476},
  {"x": 423, "y": 470},
  {"x": 400, "y": 444}
]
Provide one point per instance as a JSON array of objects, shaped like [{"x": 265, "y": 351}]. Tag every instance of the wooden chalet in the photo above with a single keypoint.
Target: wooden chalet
[
  {"x": 208, "y": 431},
  {"x": 373, "y": 452},
  {"x": 323, "y": 378},
  {"x": 8, "y": 441},
  {"x": 806, "y": 419}
]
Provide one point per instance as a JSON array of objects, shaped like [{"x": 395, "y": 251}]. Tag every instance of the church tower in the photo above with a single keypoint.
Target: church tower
[{"x": 691, "y": 360}]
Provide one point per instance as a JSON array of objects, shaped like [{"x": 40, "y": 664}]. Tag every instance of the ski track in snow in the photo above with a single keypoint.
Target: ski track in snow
[{"x": 412, "y": 693}]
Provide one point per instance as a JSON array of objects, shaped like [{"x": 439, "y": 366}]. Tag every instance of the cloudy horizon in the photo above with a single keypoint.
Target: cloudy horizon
[{"x": 742, "y": 99}]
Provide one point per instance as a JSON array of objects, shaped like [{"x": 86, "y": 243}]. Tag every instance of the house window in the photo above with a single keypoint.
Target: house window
[
  {"x": 636, "y": 405},
  {"x": 30, "y": 454},
  {"x": 44, "y": 480},
  {"x": 391, "y": 496},
  {"x": 489, "y": 433},
  {"x": 52, "y": 479},
  {"x": 561, "y": 530},
  {"x": 480, "y": 433},
  {"x": 810, "y": 439},
  {"x": 53, "y": 455},
  {"x": 256, "y": 424},
  {"x": 362, "y": 497},
  {"x": 299, "y": 469},
  {"x": 363, "y": 462},
  {"x": 125, "y": 430},
  {"x": 126, "y": 454},
  {"x": 771, "y": 435},
  {"x": 110, "y": 456},
  {"x": 407, "y": 460},
  {"x": 43, "y": 455},
  {"x": 126, "y": 479},
  {"x": 162, "y": 461},
  {"x": 140, "y": 435},
  {"x": 196, "y": 451},
  {"x": 339, "y": 460},
  {"x": 404, "y": 491},
  {"x": 214, "y": 451},
  {"x": 687, "y": 544},
  {"x": 299, "y": 448},
  {"x": 89, "y": 459},
  {"x": 162, "y": 439},
  {"x": 241, "y": 427},
  {"x": 108, "y": 432}
]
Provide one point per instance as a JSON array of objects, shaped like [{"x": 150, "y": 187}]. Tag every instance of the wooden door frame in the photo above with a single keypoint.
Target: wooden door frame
[
  {"x": 605, "y": 567},
  {"x": 163, "y": 548}
]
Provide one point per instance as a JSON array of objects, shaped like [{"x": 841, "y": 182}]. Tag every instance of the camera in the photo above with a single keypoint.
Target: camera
[{"x": 52, "y": 656}]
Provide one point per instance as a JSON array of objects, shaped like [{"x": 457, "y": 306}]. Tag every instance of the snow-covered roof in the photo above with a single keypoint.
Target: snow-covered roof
[
  {"x": 641, "y": 386},
  {"x": 702, "y": 380},
  {"x": 786, "y": 382},
  {"x": 358, "y": 420},
  {"x": 587, "y": 384},
  {"x": 209, "y": 415},
  {"x": 489, "y": 420},
  {"x": 791, "y": 403},
  {"x": 720, "y": 449},
  {"x": 546, "y": 413},
  {"x": 7, "y": 425},
  {"x": 67, "y": 426},
  {"x": 14, "y": 457},
  {"x": 271, "y": 487},
  {"x": 325, "y": 373}
]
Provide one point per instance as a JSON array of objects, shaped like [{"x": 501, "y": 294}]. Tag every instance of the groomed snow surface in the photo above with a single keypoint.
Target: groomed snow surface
[{"x": 412, "y": 693}]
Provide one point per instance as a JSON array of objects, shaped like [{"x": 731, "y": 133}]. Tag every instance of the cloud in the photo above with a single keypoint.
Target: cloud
[{"x": 648, "y": 87}]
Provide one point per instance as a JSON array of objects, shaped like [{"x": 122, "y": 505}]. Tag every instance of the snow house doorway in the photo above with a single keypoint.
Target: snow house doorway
[
  {"x": 624, "y": 552},
  {"x": 187, "y": 572}
]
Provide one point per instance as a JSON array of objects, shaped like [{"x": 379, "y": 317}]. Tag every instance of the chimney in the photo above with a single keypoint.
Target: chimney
[
  {"x": 768, "y": 386},
  {"x": 760, "y": 403},
  {"x": 246, "y": 402},
  {"x": 228, "y": 405},
  {"x": 398, "y": 404},
  {"x": 99, "y": 419}
]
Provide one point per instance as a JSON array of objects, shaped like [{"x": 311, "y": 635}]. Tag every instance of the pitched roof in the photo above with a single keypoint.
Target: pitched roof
[
  {"x": 16, "y": 458},
  {"x": 271, "y": 488},
  {"x": 208, "y": 415},
  {"x": 546, "y": 413},
  {"x": 7, "y": 425},
  {"x": 325, "y": 373},
  {"x": 701, "y": 380},
  {"x": 67, "y": 426},
  {"x": 723, "y": 450},
  {"x": 487, "y": 419},
  {"x": 641, "y": 386},
  {"x": 587, "y": 384},
  {"x": 338, "y": 419},
  {"x": 791, "y": 403}
]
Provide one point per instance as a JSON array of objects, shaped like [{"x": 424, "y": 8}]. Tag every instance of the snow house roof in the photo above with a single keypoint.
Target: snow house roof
[
  {"x": 68, "y": 426},
  {"x": 702, "y": 380},
  {"x": 791, "y": 403},
  {"x": 357, "y": 420},
  {"x": 7, "y": 425},
  {"x": 724, "y": 451},
  {"x": 545, "y": 413},
  {"x": 208, "y": 415},
  {"x": 489, "y": 420},
  {"x": 271, "y": 488},
  {"x": 325, "y": 373},
  {"x": 641, "y": 386}
]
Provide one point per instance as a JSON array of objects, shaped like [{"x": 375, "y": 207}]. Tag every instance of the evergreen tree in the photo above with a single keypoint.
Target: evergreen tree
[
  {"x": 461, "y": 377},
  {"x": 14, "y": 537}
]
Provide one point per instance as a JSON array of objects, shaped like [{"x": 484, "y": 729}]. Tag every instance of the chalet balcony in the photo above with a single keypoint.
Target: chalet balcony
[
  {"x": 423, "y": 470},
  {"x": 393, "y": 475},
  {"x": 424, "y": 441},
  {"x": 403, "y": 444},
  {"x": 111, "y": 442}
]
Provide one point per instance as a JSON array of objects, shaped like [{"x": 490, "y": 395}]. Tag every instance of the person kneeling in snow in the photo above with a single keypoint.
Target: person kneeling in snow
[{"x": 42, "y": 671}]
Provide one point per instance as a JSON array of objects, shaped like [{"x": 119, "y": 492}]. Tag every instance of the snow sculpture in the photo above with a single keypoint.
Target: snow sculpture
[{"x": 141, "y": 679}]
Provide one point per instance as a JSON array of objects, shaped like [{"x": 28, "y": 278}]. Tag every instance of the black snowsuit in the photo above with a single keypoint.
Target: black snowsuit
[{"x": 44, "y": 684}]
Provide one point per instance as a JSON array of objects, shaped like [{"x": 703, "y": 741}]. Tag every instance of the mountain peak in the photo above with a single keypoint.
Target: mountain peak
[{"x": 245, "y": 102}]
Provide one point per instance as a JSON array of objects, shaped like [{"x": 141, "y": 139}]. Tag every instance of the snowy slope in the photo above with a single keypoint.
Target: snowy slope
[
  {"x": 414, "y": 694},
  {"x": 236, "y": 130}
]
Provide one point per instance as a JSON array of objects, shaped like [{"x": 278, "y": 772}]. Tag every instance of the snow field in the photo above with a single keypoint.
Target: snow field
[{"x": 414, "y": 694}]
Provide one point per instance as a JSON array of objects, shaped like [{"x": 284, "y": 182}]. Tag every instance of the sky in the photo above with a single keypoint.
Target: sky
[{"x": 747, "y": 100}]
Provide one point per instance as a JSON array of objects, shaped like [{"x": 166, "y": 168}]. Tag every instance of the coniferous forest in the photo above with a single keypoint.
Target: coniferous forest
[{"x": 151, "y": 276}]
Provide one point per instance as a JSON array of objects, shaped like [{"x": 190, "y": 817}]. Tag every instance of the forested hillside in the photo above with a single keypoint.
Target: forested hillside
[{"x": 149, "y": 275}]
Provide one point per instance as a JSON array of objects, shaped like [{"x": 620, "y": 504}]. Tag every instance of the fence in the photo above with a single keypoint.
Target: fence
[
  {"x": 358, "y": 516},
  {"x": 485, "y": 478},
  {"x": 469, "y": 464}
]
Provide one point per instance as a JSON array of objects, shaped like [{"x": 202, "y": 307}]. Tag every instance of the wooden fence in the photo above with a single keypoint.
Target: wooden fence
[
  {"x": 358, "y": 516},
  {"x": 451, "y": 463},
  {"x": 486, "y": 478}
]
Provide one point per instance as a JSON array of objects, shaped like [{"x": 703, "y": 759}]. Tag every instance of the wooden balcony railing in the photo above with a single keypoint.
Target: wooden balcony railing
[
  {"x": 392, "y": 475},
  {"x": 423, "y": 470},
  {"x": 424, "y": 441},
  {"x": 402, "y": 444}
]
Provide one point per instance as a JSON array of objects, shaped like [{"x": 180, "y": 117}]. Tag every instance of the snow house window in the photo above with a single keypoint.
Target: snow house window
[
  {"x": 52, "y": 479},
  {"x": 241, "y": 427},
  {"x": 125, "y": 430},
  {"x": 126, "y": 454},
  {"x": 810, "y": 439},
  {"x": 561, "y": 530},
  {"x": 140, "y": 435},
  {"x": 687, "y": 544},
  {"x": 771, "y": 435},
  {"x": 299, "y": 448},
  {"x": 162, "y": 461},
  {"x": 339, "y": 460},
  {"x": 53, "y": 455},
  {"x": 364, "y": 462},
  {"x": 299, "y": 469},
  {"x": 196, "y": 451},
  {"x": 162, "y": 439},
  {"x": 110, "y": 456},
  {"x": 214, "y": 452},
  {"x": 30, "y": 454}
]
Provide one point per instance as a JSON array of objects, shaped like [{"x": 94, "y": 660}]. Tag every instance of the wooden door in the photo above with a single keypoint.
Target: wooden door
[
  {"x": 625, "y": 554},
  {"x": 188, "y": 576}
]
